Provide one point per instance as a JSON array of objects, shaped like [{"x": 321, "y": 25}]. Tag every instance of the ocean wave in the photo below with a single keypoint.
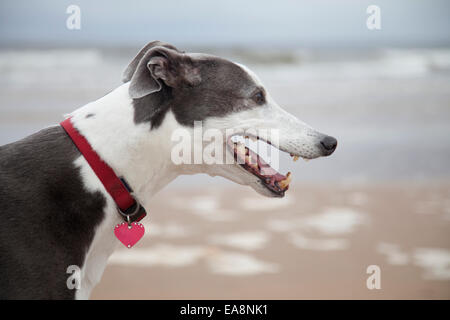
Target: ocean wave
[
  {"x": 51, "y": 58},
  {"x": 91, "y": 67},
  {"x": 387, "y": 63}
]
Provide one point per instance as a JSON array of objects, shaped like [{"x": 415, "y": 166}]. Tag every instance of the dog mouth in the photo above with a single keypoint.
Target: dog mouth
[{"x": 254, "y": 163}]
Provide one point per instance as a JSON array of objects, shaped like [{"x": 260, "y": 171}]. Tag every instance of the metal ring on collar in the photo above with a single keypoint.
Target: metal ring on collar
[{"x": 135, "y": 211}]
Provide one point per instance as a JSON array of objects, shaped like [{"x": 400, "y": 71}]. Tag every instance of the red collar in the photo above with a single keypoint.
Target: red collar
[{"x": 117, "y": 187}]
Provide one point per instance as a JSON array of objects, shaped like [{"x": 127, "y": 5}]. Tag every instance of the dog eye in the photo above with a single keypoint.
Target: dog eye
[{"x": 259, "y": 98}]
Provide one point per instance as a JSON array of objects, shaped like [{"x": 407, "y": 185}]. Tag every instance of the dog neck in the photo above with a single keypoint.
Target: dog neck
[{"x": 134, "y": 151}]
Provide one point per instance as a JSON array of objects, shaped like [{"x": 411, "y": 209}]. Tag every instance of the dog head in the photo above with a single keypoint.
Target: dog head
[{"x": 226, "y": 97}]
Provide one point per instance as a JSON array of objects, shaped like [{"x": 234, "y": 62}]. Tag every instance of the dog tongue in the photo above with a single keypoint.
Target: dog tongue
[
  {"x": 273, "y": 177},
  {"x": 267, "y": 170},
  {"x": 272, "y": 173},
  {"x": 263, "y": 169}
]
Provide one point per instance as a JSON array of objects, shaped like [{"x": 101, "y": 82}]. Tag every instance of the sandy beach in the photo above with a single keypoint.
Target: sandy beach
[{"x": 316, "y": 243}]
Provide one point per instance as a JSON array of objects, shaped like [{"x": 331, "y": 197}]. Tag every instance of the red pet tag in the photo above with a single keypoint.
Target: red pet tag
[{"x": 129, "y": 234}]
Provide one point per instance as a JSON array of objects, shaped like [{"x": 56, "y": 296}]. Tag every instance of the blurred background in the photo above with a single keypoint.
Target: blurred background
[{"x": 383, "y": 198}]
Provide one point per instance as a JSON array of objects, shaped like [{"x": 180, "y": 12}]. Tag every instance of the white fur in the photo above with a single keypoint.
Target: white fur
[
  {"x": 143, "y": 158},
  {"x": 104, "y": 240}
]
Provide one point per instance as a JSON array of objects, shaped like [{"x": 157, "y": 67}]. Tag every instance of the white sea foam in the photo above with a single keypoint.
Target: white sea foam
[
  {"x": 335, "y": 221},
  {"x": 434, "y": 261},
  {"x": 168, "y": 230},
  {"x": 250, "y": 240},
  {"x": 159, "y": 255},
  {"x": 332, "y": 221},
  {"x": 389, "y": 63},
  {"x": 217, "y": 261},
  {"x": 306, "y": 243},
  {"x": 239, "y": 264},
  {"x": 49, "y": 58},
  {"x": 393, "y": 253},
  {"x": 207, "y": 207},
  {"x": 266, "y": 204},
  {"x": 203, "y": 203}
]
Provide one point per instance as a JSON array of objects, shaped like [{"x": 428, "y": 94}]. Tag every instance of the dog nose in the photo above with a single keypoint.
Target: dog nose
[{"x": 328, "y": 144}]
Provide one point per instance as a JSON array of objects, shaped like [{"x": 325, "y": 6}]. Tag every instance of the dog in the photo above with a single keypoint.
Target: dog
[{"x": 56, "y": 213}]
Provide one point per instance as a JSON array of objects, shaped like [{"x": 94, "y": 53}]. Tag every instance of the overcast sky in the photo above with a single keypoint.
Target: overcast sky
[{"x": 294, "y": 23}]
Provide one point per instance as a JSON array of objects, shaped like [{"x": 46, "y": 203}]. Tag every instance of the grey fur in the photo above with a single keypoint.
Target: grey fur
[
  {"x": 193, "y": 86},
  {"x": 47, "y": 217},
  {"x": 162, "y": 65},
  {"x": 131, "y": 68}
]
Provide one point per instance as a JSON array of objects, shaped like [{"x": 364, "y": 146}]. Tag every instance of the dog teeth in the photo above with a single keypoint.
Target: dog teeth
[
  {"x": 240, "y": 149},
  {"x": 285, "y": 183},
  {"x": 294, "y": 157},
  {"x": 253, "y": 138},
  {"x": 251, "y": 162}
]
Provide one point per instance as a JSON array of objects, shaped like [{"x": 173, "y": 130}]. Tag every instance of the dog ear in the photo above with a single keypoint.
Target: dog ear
[
  {"x": 162, "y": 65},
  {"x": 131, "y": 68}
]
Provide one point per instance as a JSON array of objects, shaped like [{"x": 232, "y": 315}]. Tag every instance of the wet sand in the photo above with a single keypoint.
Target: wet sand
[{"x": 316, "y": 243}]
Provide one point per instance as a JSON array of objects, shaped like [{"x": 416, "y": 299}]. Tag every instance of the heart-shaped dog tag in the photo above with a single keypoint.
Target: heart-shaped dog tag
[{"x": 129, "y": 235}]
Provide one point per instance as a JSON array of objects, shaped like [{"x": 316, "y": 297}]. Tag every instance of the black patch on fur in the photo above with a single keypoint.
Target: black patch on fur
[
  {"x": 89, "y": 115},
  {"x": 225, "y": 88},
  {"x": 153, "y": 107},
  {"x": 47, "y": 217}
]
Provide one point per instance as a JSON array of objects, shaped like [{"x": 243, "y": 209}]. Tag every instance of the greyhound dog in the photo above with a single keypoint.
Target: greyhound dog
[{"x": 55, "y": 212}]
